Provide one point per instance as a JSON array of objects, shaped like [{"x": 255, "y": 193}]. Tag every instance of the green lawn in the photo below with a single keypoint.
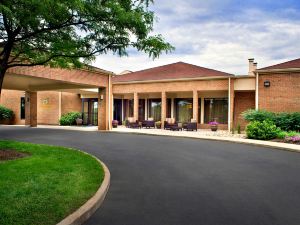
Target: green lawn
[{"x": 47, "y": 186}]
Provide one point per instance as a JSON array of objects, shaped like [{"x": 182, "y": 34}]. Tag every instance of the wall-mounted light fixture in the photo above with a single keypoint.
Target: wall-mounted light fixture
[
  {"x": 267, "y": 83},
  {"x": 101, "y": 97}
]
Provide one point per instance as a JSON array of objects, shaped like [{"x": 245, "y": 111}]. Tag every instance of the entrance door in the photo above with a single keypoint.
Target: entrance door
[
  {"x": 118, "y": 110},
  {"x": 90, "y": 111}
]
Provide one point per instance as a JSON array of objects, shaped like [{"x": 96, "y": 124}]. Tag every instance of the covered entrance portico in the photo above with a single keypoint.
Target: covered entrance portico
[
  {"x": 37, "y": 79},
  {"x": 184, "y": 106}
]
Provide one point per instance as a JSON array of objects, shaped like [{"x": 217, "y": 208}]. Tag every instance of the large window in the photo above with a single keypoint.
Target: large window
[
  {"x": 22, "y": 108},
  {"x": 154, "y": 109},
  {"x": 184, "y": 109},
  {"x": 216, "y": 109}
]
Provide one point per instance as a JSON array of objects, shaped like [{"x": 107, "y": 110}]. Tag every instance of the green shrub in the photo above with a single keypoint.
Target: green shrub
[
  {"x": 69, "y": 118},
  {"x": 285, "y": 121},
  {"x": 239, "y": 129},
  {"x": 281, "y": 134},
  {"x": 258, "y": 115},
  {"x": 265, "y": 130},
  {"x": 292, "y": 133},
  {"x": 5, "y": 113}
]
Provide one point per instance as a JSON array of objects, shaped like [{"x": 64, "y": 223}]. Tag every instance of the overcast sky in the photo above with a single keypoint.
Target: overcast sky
[{"x": 220, "y": 34}]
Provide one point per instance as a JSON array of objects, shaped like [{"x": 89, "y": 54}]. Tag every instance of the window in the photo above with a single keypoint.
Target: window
[
  {"x": 216, "y": 109},
  {"x": 22, "y": 108},
  {"x": 184, "y": 109},
  {"x": 169, "y": 105},
  {"x": 154, "y": 108}
]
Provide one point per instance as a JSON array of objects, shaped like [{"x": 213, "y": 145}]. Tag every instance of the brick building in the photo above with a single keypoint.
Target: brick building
[{"x": 181, "y": 91}]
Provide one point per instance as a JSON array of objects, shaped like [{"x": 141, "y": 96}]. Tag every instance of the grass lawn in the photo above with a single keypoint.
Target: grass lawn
[{"x": 46, "y": 186}]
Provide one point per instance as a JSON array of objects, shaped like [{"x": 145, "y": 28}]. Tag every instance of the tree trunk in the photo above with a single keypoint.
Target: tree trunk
[{"x": 2, "y": 74}]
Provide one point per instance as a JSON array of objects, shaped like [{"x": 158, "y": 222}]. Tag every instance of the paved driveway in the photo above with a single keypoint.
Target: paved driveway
[{"x": 170, "y": 181}]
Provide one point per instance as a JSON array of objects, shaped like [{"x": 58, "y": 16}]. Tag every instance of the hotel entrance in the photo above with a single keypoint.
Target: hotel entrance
[{"x": 90, "y": 111}]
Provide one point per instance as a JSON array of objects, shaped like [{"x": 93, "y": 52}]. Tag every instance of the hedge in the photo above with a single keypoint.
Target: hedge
[{"x": 285, "y": 121}]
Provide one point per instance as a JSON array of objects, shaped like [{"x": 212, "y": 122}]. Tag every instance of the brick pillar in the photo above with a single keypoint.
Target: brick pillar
[
  {"x": 31, "y": 109},
  {"x": 163, "y": 108},
  {"x": 103, "y": 109},
  {"x": 231, "y": 103},
  {"x": 195, "y": 105},
  {"x": 136, "y": 106}
]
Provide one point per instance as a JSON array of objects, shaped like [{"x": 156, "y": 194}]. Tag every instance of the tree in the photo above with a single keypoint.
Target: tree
[{"x": 68, "y": 33}]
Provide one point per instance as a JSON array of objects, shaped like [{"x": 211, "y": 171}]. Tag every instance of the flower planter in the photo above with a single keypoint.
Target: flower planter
[
  {"x": 6, "y": 121},
  {"x": 115, "y": 123},
  {"x": 214, "y": 127}
]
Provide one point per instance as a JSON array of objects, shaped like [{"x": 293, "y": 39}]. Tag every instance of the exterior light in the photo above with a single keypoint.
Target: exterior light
[
  {"x": 267, "y": 83},
  {"x": 101, "y": 97}
]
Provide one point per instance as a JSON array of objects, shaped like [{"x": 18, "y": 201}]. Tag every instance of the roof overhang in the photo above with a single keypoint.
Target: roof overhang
[
  {"x": 31, "y": 83},
  {"x": 174, "y": 80},
  {"x": 277, "y": 70}
]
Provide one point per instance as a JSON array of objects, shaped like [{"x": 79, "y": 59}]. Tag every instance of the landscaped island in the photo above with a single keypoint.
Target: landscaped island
[{"x": 41, "y": 184}]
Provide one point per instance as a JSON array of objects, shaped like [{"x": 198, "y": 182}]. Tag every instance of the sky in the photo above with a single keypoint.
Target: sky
[{"x": 219, "y": 34}]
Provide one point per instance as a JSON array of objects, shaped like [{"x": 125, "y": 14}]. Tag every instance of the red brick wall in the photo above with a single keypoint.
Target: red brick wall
[
  {"x": 12, "y": 100},
  {"x": 48, "y": 107},
  {"x": 70, "y": 102},
  {"x": 242, "y": 102},
  {"x": 283, "y": 95}
]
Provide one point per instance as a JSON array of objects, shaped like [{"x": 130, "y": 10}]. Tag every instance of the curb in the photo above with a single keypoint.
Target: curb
[
  {"x": 269, "y": 144},
  {"x": 85, "y": 211}
]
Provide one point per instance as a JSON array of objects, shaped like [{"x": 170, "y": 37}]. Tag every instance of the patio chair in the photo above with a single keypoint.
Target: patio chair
[
  {"x": 150, "y": 123},
  {"x": 191, "y": 126},
  {"x": 134, "y": 123},
  {"x": 177, "y": 127},
  {"x": 169, "y": 123}
]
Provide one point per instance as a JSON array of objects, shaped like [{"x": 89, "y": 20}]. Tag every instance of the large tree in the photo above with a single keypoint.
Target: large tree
[{"x": 68, "y": 33}]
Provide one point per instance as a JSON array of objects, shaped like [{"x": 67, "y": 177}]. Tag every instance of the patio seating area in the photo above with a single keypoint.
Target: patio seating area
[{"x": 180, "y": 132}]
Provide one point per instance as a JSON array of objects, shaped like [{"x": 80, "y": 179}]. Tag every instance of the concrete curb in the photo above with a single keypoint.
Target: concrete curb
[
  {"x": 269, "y": 144},
  {"x": 85, "y": 211}
]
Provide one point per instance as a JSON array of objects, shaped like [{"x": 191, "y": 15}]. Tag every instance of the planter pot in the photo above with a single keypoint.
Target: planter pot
[
  {"x": 6, "y": 121},
  {"x": 214, "y": 127},
  {"x": 158, "y": 126},
  {"x": 115, "y": 123}
]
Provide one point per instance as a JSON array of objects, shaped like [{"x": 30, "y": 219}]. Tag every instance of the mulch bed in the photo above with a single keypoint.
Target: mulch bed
[{"x": 7, "y": 154}]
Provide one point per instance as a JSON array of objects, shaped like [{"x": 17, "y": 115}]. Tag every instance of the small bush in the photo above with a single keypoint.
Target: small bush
[
  {"x": 281, "y": 134},
  {"x": 69, "y": 118},
  {"x": 239, "y": 129},
  {"x": 5, "y": 113},
  {"x": 265, "y": 130}
]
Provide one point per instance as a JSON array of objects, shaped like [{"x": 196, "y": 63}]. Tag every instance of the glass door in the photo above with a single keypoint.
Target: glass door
[{"x": 90, "y": 111}]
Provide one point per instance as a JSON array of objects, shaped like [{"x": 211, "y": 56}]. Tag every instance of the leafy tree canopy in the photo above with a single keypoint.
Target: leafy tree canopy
[{"x": 61, "y": 33}]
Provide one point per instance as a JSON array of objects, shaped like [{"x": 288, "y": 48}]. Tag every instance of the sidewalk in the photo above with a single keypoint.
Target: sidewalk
[{"x": 209, "y": 135}]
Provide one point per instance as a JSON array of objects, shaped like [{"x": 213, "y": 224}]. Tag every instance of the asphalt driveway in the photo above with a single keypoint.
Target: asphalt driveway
[{"x": 181, "y": 181}]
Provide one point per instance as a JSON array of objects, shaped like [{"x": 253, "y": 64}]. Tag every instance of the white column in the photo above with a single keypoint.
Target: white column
[
  {"x": 122, "y": 110},
  {"x": 172, "y": 107},
  {"x": 202, "y": 110},
  {"x": 256, "y": 92},
  {"x": 229, "y": 104}
]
